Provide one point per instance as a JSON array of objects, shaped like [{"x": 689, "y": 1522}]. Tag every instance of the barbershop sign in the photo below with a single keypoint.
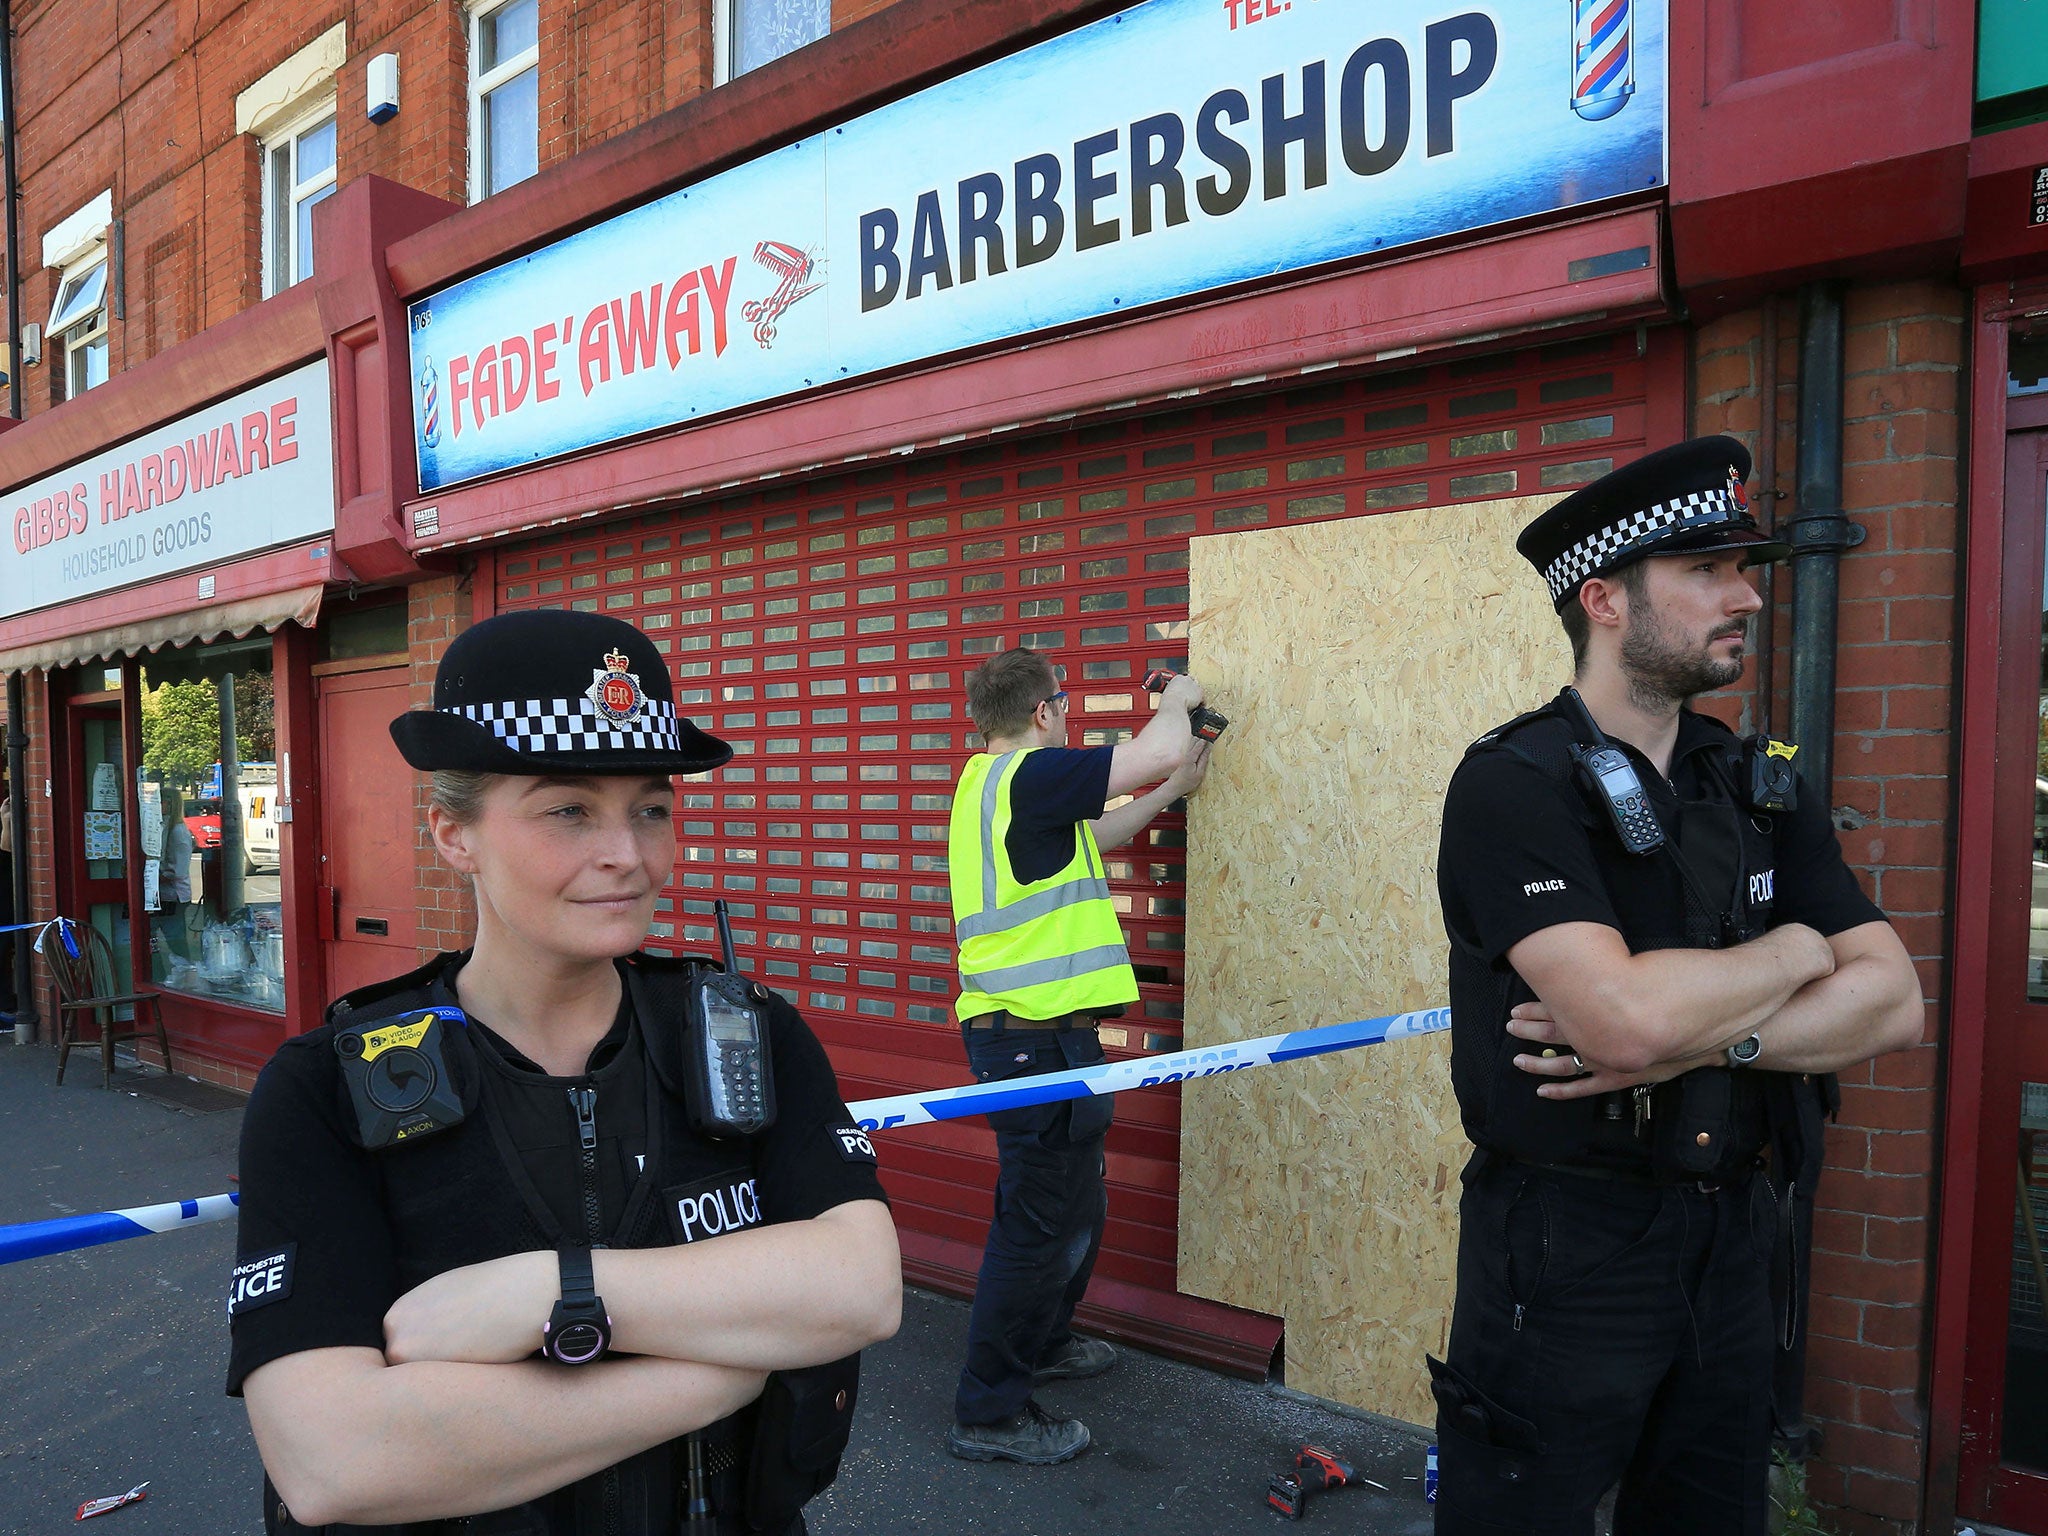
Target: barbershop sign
[
  {"x": 250, "y": 472},
  {"x": 1177, "y": 147}
]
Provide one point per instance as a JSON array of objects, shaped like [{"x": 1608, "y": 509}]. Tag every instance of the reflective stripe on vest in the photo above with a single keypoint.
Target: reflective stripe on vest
[{"x": 1037, "y": 950}]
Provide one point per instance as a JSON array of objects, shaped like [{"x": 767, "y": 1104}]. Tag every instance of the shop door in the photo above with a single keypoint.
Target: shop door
[
  {"x": 2005, "y": 1440},
  {"x": 825, "y": 629},
  {"x": 367, "y": 892},
  {"x": 94, "y": 846}
]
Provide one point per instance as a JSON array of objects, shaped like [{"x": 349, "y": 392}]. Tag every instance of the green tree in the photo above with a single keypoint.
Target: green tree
[
  {"x": 255, "y": 717},
  {"x": 181, "y": 730}
]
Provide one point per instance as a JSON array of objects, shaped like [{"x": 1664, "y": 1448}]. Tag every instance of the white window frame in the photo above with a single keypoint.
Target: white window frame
[
  {"x": 80, "y": 337},
  {"x": 724, "y": 29},
  {"x": 481, "y": 86},
  {"x": 285, "y": 140}
]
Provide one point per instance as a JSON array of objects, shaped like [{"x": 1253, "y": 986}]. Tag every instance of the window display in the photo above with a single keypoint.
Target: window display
[{"x": 206, "y": 793}]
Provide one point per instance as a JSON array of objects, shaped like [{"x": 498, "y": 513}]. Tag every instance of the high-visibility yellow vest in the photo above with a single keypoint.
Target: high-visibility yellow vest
[{"x": 1039, "y": 949}]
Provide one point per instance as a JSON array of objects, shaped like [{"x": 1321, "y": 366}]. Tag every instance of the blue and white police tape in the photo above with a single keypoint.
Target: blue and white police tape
[
  {"x": 1142, "y": 1071},
  {"x": 34, "y": 1239}
]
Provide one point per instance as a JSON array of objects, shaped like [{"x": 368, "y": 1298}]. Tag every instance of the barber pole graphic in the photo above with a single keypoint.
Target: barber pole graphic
[
  {"x": 430, "y": 403},
  {"x": 1603, "y": 57},
  {"x": 792, "y": 268}
]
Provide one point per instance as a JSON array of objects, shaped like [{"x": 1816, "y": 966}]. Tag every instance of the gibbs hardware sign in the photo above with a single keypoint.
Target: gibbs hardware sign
[
  {"x": 1173, "y": 148},
  {"x": 253, "y": 471}
]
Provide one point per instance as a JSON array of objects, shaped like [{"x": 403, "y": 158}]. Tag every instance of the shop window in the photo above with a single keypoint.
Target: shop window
[
  {"x": 750, "y": 33},
  {"x": 504, "y": 95},
  {"x": 351, "y": 631},
  {"x": 78, "y": 323},
  {"x": 298, "y": 175},
  {"x": 206, "y": 807}
]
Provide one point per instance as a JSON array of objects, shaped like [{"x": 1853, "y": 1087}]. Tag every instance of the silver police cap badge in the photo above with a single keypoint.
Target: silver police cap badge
[{"x": 615, "y": 691}]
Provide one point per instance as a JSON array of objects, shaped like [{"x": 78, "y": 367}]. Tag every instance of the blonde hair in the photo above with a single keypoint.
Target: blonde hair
[{"x": 459, "y": 793}]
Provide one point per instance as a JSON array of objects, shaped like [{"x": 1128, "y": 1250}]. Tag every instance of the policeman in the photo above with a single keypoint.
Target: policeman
[
  {"x": 506, "y": 1265},
  {"x": 1656, "y": 954},
  {"x": 1042, "y": 958}
]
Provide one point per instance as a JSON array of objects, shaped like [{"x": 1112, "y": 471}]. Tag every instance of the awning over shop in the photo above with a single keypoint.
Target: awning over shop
[{"x": 238, "y": 618}]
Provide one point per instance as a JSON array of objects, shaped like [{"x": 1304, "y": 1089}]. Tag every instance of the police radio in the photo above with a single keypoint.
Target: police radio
[
  {"x": 1610, "y": 779},
  {"x": 397, "y": 1075},
  {"x": 730, "y": 1086}
]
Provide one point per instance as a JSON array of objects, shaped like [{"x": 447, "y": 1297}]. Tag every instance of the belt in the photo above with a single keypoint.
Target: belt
[
  {"x": 1630, "y": 1176},
  {"x": 1009, "y": 1023}
]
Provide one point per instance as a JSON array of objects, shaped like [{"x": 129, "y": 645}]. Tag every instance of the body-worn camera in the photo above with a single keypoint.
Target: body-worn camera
[
  {"x": 1769, "y": 782},
  {"x": 397, "y": 1075}
]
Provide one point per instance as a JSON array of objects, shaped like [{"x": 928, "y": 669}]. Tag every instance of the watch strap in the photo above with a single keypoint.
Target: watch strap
[{"x": 579, "y": 1276}]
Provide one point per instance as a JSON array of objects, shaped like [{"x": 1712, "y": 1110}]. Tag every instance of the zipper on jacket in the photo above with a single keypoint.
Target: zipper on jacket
[{"x": 584, "y": 1101}]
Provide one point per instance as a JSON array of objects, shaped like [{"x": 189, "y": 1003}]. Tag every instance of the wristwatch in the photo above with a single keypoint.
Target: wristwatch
[
  {"x": 579, "y": 1330},
  {"x": 1743, "y": 1053}
]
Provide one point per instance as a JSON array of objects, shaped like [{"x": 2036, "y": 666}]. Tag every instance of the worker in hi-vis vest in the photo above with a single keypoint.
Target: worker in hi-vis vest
[{"x": 1042, "y": 958}]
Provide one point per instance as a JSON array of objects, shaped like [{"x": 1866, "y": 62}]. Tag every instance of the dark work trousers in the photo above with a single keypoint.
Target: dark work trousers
[
  {"x": 1049, "y": 1211},
  {"x": 1606, "y": 1332}
]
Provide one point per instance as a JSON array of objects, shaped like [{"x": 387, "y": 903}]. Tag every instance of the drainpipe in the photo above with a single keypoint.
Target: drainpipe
[
  {"x": 12, "y": 189},
  {"x": 17, "y": 738},
  {"x": 1818, "y": 535}
]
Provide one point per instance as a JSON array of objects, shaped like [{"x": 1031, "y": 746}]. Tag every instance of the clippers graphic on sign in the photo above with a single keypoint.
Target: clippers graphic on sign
[
  {"x": 793, "y": 269},
  {"x": 397, "y": 1076}
]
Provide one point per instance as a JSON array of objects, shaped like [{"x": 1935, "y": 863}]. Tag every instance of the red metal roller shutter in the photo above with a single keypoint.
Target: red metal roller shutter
[{"x": 824, "y": 628}]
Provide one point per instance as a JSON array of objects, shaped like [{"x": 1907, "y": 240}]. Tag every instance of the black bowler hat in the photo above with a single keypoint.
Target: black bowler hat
[
  {"x": 551, "y": 691},
  {"x": 1674, "y": 501}
]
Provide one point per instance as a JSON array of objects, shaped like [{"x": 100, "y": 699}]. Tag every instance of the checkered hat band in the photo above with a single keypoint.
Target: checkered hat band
[
  {"x": 1700, "y": 509},
  {"x": 574, "y": 725}
]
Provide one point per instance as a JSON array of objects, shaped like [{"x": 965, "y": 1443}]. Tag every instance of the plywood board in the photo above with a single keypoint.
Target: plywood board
[{"x": 1356, "y": 660}]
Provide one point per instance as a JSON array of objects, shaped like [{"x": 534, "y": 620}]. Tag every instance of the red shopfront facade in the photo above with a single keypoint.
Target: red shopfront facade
[
  {"x": 218, "y": 570},
  {"x": 823, "y": 572},
  {"x": 165, "y": 714}
]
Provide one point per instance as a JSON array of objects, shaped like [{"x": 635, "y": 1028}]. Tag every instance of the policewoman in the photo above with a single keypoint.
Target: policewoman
[
  {"x": 552, "y": 1236},
  {"x": 1042, "y": 962},
  {"x": 1657, "y": 955}
]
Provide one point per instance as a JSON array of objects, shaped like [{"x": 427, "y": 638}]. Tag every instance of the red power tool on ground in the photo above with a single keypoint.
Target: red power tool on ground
[
  {"x": 1202, "y": 720},
  {"x": 1315, "y": 1470}
]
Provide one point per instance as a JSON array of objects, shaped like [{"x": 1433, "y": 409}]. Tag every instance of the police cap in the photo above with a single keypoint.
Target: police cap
[
  {"x": 554, "y": 691},
  {"x": 1674, "y": 501}
]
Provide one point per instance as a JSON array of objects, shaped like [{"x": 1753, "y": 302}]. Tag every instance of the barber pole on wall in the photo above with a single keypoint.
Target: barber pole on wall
[
  {"x": 250, "y": 472},
  {"x": 1175, "y": 148}
]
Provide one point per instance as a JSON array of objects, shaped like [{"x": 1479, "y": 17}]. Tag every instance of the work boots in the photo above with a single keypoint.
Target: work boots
[
  {"x": 1074, "y": 1360},
  {"x": 1032, "y": 1436}
]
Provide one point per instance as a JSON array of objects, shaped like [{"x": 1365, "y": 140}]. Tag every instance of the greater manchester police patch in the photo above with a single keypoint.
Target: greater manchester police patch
[{"x": 260, "y": 1281}]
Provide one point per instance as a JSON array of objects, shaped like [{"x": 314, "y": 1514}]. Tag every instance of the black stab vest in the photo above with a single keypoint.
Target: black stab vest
[
  {"x": 460, "y": 1197},
  {"x": 1657, "y": 908}
]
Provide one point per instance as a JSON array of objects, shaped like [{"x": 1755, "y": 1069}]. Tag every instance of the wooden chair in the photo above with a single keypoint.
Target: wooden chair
[{"x": 81, "y": 962}]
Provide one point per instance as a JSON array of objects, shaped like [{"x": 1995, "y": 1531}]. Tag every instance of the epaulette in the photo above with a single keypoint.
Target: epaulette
[
  {"x": 1500, "y": 733},
  {"x": 417, "y": 980}
]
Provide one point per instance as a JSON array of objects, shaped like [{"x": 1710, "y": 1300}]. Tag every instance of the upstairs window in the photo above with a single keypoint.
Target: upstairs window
[
  {"x": 298, "y": 175},
  {"x": 750, "y": 33},
  {"x": 78, "y": 323},
  {"x": 504, "y": 96}
]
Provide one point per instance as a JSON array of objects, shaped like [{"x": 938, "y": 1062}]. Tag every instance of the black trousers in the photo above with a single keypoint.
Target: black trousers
[
  {"x": 1606, "y": 1332},
  {"x": 1050, "y": 1207}
]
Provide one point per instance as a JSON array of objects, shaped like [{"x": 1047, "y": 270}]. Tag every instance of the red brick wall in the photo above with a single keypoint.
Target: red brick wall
[
  {"x": 140, "y": 100},
  {"x": 1894, "y": 709},
  {"x": 437, "y": 612}
]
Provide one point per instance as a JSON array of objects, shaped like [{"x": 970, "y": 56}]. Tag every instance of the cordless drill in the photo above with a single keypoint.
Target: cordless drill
[
  {"x": 1315, "y": 1470},
  {"x": 1202, "y": 720}
]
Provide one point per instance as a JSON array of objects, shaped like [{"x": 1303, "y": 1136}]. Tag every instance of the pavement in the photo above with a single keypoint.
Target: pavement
[{"x": 112, "y": 1360}]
